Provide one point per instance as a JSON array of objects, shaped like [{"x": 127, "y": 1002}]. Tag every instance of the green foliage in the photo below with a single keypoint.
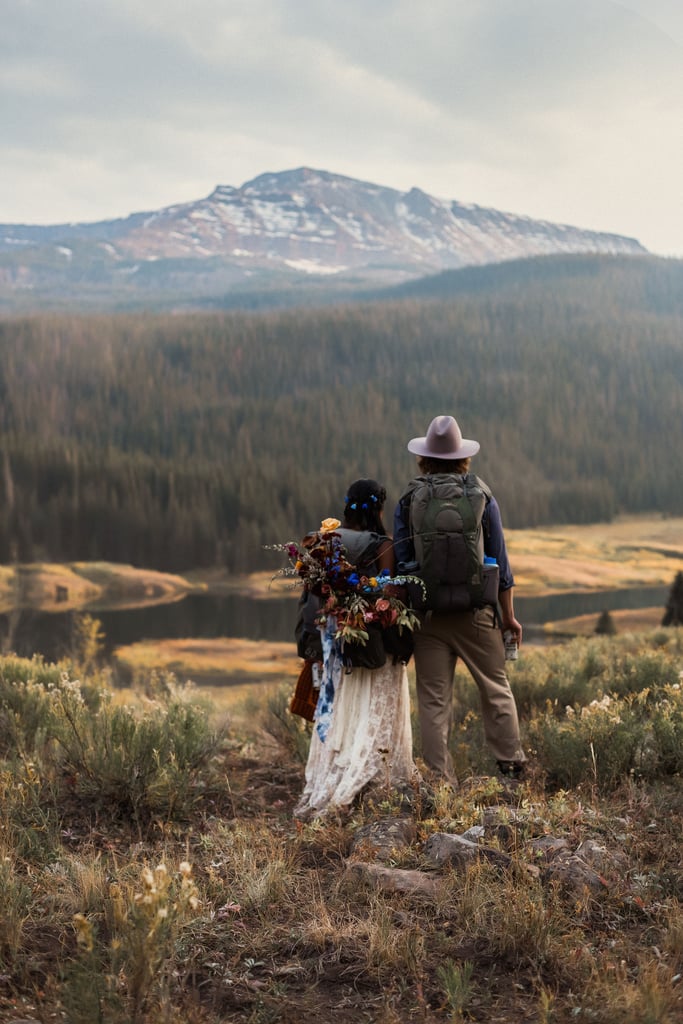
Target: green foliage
[
  {"x": 142, "y": 761},
  {"x": 145, "y": 763},
  {"x": 88, "y": 641},
  {"x": 603, "y": 743},
  {"x": 673, "y": 615},
  {"x": 584, "y": 670},
  {"x": 180, "y": 441},
  {"x": 596, "y": 710},
  {"x": 611, "y": 739},
  {"x": 457, "y": 983}
]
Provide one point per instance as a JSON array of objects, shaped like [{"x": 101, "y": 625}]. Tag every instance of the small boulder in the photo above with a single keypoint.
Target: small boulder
[
  {"x": 573, "y": 873},
  {"x": 382, "y": 839},
  {"x": 444, "y": 848},
  {"x": 391, "y": 879}
]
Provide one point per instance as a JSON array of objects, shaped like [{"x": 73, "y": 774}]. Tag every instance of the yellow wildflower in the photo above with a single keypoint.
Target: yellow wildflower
[{"x": 84, "y": 934}]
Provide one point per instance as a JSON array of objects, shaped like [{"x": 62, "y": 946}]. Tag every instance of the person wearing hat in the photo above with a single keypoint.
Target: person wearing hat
[{"x": 476, "y": 634}]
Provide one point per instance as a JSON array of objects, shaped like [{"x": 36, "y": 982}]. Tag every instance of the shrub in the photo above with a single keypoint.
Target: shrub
[
  {"x": 141, "y": 761},
  {"x": 144, "y": 762},
  {"x": 585, "y": 670},
  {"x": 610, "y": 739}
]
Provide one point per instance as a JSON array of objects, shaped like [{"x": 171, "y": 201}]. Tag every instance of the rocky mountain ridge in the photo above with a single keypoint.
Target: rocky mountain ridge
[{"x": 301, "y": 222}]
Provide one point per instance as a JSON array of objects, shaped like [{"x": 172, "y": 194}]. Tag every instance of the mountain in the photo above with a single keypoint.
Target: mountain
[{"x": 275, "y": 231}]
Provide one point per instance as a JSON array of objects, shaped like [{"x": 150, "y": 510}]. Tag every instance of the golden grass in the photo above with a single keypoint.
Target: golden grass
[
  {"x": 197, "y": 659},
  {"x": 53, "y": 587},
  {"x": 627, "y": 620},
  {"x": 234, "y": 911},
  {"x": 629, "y": 552}
]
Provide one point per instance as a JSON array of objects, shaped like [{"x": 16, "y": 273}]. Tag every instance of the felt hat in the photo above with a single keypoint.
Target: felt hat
[{"x": 443, "y": 440}]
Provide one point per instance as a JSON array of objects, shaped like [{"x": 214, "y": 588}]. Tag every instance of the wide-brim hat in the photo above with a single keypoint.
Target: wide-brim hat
[{"x": 443, "y": 440}]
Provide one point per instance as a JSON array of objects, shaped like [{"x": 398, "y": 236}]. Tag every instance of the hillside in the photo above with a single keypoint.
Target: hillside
[
  {"x": 153, "y": 873},
  {"x": 302, "y": 235},
  {"x": 645, "y": 283},
  {"x": 186, "y": 441}
]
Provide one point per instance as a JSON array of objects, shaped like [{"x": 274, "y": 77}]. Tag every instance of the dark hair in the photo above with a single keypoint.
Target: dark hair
[
  {"x": 363, "y": 505},
  {"x": 427, "y": 464}
]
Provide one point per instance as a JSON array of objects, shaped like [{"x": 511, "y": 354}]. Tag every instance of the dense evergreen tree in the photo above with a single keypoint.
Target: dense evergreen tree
[
  {"x": 605, "y": 625},
  {"x": 673, "y": 615},
  {"x": 177, "y": 441}
]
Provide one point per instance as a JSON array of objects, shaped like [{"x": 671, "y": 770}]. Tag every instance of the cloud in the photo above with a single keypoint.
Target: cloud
[{"x": 567, "y": 109}]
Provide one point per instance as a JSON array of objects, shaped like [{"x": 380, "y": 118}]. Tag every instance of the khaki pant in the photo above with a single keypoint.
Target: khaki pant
[{"x": 473, "y": 636}]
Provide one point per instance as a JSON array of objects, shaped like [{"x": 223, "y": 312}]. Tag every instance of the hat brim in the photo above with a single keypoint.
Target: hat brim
[{"x": 419, "y": 446}]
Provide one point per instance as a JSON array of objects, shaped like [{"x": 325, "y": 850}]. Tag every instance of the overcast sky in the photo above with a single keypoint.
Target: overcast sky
[{"x": 569, "y": 110}]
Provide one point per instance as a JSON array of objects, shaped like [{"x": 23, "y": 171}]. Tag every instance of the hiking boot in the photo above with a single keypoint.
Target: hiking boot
[{"x": 511, "y": 769}]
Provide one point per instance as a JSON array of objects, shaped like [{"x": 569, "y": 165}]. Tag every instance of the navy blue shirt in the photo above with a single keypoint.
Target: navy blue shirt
[{"x": 494, "y": 540}]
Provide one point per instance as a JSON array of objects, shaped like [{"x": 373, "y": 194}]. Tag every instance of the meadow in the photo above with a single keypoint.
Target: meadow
[{"x": 152, "y": 871}]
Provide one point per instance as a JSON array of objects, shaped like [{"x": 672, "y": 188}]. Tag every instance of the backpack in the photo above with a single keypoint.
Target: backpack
[{"x": 446, "y": 513}]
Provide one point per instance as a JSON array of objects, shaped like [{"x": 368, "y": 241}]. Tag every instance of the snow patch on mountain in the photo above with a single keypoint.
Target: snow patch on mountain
[{"x": 315, "y": 222}]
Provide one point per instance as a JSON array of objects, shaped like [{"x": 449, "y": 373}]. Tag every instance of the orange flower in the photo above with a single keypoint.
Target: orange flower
[{"x": 329, "y": 525}]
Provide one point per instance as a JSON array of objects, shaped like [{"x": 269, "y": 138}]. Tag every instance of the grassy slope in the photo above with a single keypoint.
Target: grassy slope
[{"x": 278, "y": 924}]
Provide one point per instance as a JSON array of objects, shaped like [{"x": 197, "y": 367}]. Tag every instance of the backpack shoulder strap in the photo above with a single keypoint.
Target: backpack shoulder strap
[{"x": 482, "y": 486}]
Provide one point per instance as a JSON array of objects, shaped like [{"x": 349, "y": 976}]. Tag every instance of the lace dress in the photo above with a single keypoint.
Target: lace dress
[{"x": 369, "y": 739}]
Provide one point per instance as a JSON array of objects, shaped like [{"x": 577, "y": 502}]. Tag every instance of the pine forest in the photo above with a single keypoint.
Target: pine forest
[{"x": 188, "y": 440}]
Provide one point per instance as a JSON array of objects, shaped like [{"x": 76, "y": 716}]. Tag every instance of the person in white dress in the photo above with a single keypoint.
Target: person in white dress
[{"x": 365, "y": 736}]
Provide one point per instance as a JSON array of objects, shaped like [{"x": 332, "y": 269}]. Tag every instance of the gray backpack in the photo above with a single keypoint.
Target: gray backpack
[{"x": 446, "y": 511}]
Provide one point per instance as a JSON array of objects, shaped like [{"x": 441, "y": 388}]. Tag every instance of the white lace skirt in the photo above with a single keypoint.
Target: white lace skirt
[{"x": 369, "y": 739}]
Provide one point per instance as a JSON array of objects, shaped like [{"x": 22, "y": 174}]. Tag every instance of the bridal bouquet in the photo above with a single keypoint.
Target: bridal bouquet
[{"x": 356, "y": 601}]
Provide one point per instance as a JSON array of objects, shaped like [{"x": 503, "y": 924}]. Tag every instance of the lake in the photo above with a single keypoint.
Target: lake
[{"x": 29, "y": 632}]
